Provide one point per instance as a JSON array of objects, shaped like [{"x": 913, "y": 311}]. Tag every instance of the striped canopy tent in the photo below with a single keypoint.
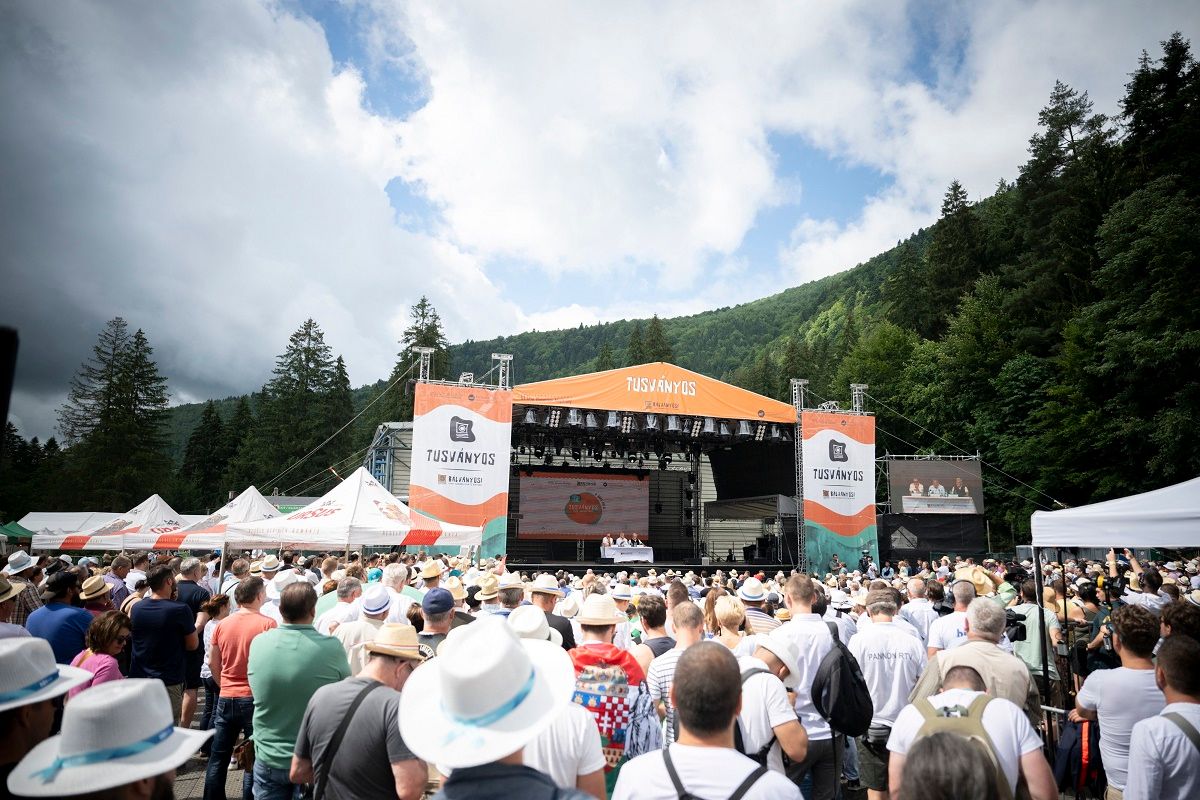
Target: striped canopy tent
[
  {"x": 357, "y": 512},
  {"x": 14, "y": 531},
  {"x": 210, "y": 532},
  {"x": 152, "y": 517}
]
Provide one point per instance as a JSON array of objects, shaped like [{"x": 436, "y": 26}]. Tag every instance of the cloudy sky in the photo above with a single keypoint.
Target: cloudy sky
[{"x": 217, "y": 171}]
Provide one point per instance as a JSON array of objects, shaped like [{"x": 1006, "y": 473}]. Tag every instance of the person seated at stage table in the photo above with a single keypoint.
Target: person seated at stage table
[
  {"x": 915, "y": 488},
  {"x": 936, "y": 489},
  {"x": 606, "y": 542},
  {"x": 960, "y": 489},
  {"x": 622, "y": 541}
]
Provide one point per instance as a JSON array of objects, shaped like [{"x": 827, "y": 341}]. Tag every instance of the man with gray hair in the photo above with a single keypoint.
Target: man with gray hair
[
  {"x": 344, "y": 610},
  {"x": 189, "y": 592},
  {"x": 891, "y": 660},
  {"x": 115, "y": 578},
  {"x": 918, "y": 611},
  {"x": 395, "y": 578},
  {"x": 1004, "y": 674}
]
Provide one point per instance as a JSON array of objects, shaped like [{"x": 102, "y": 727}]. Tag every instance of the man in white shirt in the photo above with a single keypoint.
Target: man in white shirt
[
  {"x": 1166, "y": 752},
  {"x": 355, "y": 634},
  {"x": 950, "y": 631},
  {"x": 141, "y": 563},
  {"x": 1120, "y": 698},
  {"x": 1016, "y": 745},
  {"x": 891, "y": 661},
  {"x": 812, "y": 639},
  {"x": 395, "y": 578},
  {"x": 348, "y": 590},
  {"x": 767, "y": 720},
  {"x": 703, "y": 763},
  {"x": 918, "y": 611}
]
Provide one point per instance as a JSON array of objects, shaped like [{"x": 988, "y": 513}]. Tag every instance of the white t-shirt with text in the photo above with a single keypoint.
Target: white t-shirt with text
[{"x": 891, "y": 660}]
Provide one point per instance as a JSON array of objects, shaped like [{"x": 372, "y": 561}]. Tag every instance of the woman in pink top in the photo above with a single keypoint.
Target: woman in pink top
[{"x": 107, "y": 636}]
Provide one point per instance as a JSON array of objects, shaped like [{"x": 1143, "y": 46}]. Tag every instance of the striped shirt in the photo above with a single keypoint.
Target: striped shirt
[
  {"x": 760, "y": 621},
  {"x": 658, "y": 681}
]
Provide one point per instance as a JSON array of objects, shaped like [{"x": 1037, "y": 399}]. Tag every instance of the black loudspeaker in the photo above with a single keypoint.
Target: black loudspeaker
[
  {"x": 604, "y": 560},
  {"x": 749, "y": 552}
]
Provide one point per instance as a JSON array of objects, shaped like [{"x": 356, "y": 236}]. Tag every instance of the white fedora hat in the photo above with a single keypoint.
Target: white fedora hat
[
  {"x": 785, "y": 651},
  {"x": 18, "y": 562},
  {"x": 28, "y": 673},
  {"x": 622, "y": 591},
  {"x": 569, "y": 607},
  {"x": 103, "y": 745},
  {"x": 376, "y": 600},
  {"x": 752, "y": 590},
  {"x": 546, "y": 584},
  {"x": 270, "y": 564},
  {"x": 530, "y": 623},
  {"x": 485, "y": 696}
]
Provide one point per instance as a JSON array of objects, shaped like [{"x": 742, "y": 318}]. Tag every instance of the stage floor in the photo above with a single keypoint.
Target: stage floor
[{"x": 579, "y": 567}]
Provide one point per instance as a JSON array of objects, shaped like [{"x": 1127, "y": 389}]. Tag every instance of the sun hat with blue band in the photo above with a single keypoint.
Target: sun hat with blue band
[
  {"x": 103, "y": 745},
  {"x": 28, "y": 673},
  {"x": 485, "y": 696},
  {"x": 752, "y": 590}
]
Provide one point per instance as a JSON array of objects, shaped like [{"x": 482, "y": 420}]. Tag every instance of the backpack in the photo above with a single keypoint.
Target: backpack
[
  {"x": 967, "y": 723},
  {"x": 840, "y": 692},
  {"x": 684, "y": 794},
  {"x": 739, "y": 743}
]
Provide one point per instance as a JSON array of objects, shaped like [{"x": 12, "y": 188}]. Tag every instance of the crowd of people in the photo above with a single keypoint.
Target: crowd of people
[{"x": 401, "y": 675}]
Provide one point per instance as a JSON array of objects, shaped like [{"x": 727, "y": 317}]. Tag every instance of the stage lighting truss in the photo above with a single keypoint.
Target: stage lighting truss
[
  {"x": 694, "y": 427},
  {"x": 628, "y": 424},
  {"x": 574, "y": 418},
  {"x": 760, "y": 431},
  {"x": 554, "y": 417}
]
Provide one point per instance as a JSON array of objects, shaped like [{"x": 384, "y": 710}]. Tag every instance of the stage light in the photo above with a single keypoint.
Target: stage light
[
  {"x": 521, "y": 449},
  {"x": 687, "y": 514},
  {"x": 548, "y": 459},
  {"x": 607, "y": 465},
  {"x": 574, "y": 418},
  {"x": 760, "y": 431},
  {"x": 531, "y": 416},
  {"x": 658, "y": 508},
  {"x": 652, "y": 423},
  {"x": 641, "y": 462},
  {"x": 673, "y": 425},
  {"x": 776, "y": 434},
  {"x": 628, "y": 424},
  {"x": 695, "y": 426},
  {"x": 723, "y": 431},
  {"x": 591, "y": 423},
  {"x": 612, "y": 421},
  {"x": 710, "y": 427},
  {"x": 554, "y": 417},
  {"x": 688, "y": 494},
  {"x": 662, "y": 463},
  {"x": 576, "y": 454},
  {"x": 743, "y": 430},
  {"x": 692, "y": 478},
  {"x": 667, "y": 458},
  {"x": 538, "y": 452}
]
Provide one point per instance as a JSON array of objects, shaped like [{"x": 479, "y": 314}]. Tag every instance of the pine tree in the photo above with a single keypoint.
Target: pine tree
[
  {"x": 92, "y": 389},
  {"x": 236, "y": 430},
  {"x": 656, "y": 345},
  {"x": 426, "y": 331},
  {"x": 953, "y": 258},
  {"x": 339, "y": 409},
  {"x": 635, "y": 352},
  {"x": 204, "y": 463},
  {"x": 605, "y": 359}
]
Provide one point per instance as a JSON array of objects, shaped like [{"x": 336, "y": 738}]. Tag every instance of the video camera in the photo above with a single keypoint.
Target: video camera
[{"x": 1014, "y": 626}]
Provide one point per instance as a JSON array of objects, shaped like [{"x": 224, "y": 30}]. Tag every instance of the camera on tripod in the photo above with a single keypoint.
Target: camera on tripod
[{"x": 1014, "y": 626}]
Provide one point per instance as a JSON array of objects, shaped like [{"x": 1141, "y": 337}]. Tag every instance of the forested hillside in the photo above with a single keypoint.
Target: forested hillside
[{"x": 1054, "y": 328}]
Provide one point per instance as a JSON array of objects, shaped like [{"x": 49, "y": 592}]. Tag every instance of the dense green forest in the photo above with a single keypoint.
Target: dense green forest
[{"x": 1053, "y": 328}]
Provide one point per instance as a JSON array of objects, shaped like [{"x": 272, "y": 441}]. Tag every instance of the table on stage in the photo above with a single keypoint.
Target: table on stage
[
  {"x": 920, "y": 504},
  {"x": 620, "y": 555}
]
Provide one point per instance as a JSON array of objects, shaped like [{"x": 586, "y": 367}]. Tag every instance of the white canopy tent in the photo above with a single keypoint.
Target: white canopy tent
[
  {"x": 1167, "y": 517},
  {"x": 355, "y": 513},
  {"x": 151, "y": 517},
  {"x": 208, "y": 533}
]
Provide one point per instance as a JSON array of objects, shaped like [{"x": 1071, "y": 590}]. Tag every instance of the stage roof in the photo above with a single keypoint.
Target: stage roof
[{"x": 656, "y": 388}]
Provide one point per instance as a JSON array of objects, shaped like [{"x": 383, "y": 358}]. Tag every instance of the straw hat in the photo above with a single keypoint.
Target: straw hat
[
  {"x": 546, "y": 584},
  {"x": 94, "y": 587},
  {"x": 396, "y": 639},
  {"x": 530, "y": 623},
  {"x": 511, "y": 580},
  {"x": 454, "y": 585},
  {"x": 103, "y": 745},
  {"x": 28, "y": 673},
  {"x": 752, "y": 590},
  {"x": 485, "y": 696},
  {"x": 18, "y": 562},
  {"x": 600, "y": 609},
  {"x": 270, "y": 564},
  {"x": 622, "y": 592},
  {"x": 431, "y": 570},
  {"x": 7, "y": 589},
  {"x": 256, "y": 569},
  {"x": 783, "y": 614},
  {"x": 489, "y": 587},
  {"x": 978, "y": 577}
]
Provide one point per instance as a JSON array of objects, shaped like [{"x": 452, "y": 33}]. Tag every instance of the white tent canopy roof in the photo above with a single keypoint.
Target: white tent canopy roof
[
  {"x": 208, "y": 533},
  {"x": 356, "y": 512},
  {"x": 1167, "y": 517},
  {"x": 152, "y": 516}
]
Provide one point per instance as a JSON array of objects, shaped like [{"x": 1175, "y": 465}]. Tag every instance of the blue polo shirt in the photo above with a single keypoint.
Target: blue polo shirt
[{"x": 63, "y": 626}]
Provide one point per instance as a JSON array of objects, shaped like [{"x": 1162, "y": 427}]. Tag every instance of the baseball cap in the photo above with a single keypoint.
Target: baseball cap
[{"x": 437, "y": 601}]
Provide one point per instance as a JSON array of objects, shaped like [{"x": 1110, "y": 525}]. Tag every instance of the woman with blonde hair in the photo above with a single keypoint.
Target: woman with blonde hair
[{"x": 734, "y": 627}]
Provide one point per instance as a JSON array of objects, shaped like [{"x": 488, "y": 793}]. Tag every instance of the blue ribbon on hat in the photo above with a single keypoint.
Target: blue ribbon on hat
[
  {"x": 98, "y": 756},
  {"x": 25, "y": 691},
  {"x": 495, "y": 715}
]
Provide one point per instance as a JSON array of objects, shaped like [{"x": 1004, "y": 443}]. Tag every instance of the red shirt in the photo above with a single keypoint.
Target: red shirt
[{"x": 233, "y": 636}]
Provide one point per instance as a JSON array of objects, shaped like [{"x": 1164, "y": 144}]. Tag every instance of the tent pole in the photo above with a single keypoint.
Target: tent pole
[{"x": 1039, "y": 585}]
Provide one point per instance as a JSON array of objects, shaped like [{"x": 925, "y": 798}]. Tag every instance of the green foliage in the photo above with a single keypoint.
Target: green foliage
[
  {"x": 635, "y": 351},
  {"x": 657, "y": 347}
]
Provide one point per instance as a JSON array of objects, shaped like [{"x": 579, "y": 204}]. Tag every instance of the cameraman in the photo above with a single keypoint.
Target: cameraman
[{"x": 1032, "y": 648}]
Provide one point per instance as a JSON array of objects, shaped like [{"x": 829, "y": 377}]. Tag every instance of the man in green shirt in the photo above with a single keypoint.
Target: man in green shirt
[
  {"x": 285, "y": 670},
  {"x": 1030, "y": 649}
]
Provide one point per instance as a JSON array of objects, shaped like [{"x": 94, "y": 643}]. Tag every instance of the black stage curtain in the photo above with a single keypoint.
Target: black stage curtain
[{"x": 753, "y": 469}]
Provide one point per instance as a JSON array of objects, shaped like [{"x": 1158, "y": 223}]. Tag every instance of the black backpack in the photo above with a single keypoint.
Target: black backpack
[
  {"x": 739, "y": 743},
  {"x": 839, "y": 691}
]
